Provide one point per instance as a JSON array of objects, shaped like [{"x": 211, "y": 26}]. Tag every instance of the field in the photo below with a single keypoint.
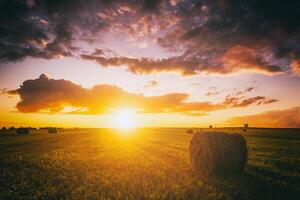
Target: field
[{"x": 145, "y": 164}]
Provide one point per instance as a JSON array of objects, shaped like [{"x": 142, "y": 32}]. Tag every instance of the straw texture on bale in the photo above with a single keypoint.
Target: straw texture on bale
[{"x": 217, "y": 153}]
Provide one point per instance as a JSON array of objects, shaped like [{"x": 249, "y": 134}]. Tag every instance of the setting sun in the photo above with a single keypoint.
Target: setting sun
[{"x": 125, "y": 118}]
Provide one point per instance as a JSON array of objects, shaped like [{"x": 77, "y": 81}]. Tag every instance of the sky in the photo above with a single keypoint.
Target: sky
[{"x": 172, "y": 63}]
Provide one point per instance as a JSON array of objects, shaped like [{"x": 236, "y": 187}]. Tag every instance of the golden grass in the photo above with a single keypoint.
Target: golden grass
[{"x": 147, "y": 164}]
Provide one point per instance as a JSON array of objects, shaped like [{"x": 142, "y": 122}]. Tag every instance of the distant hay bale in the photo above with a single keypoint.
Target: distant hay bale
[
  {"x": 22, "y": 131},
  {"x": 246, "y": 126},
  {"x": 52, "y": 130},
  {"x": 189, "y": 131},
  {"x": 217, "y": 153}
]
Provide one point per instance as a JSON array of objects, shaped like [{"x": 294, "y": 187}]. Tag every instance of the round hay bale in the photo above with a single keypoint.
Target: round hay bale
[
  {"x": 52, "y": 130},
  {"x": 22, "y": 131},
  {"x": 189, "y": 131},
  {"x": 217, "y": 153}
]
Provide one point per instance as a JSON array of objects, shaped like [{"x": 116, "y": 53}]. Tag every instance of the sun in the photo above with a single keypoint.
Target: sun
[{"x": 125, "y": 118}]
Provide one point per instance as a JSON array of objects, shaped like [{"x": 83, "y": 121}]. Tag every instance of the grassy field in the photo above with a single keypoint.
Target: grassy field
[{"x": 146, "y": 164}]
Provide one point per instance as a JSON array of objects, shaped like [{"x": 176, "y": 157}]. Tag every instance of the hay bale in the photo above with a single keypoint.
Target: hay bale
[
  {"x": 22, "y": 131},
  {"x": 246, "y": 126},
  {"x": 189, "y": 131},
  {"x": 52, "y": 130},
  {"x": 217, "y": 153}
]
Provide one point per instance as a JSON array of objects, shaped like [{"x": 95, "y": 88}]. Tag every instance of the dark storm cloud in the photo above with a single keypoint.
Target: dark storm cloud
[
  {"x": 233, "y": 35},
  {"x": 213, "y": 36},
  {"x": 28, "y": 29},
  {"x": 50, "y": 28},
  {"x": 53, "y": 96}
]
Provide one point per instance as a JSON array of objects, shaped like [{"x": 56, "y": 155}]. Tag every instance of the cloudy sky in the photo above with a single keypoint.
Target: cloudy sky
[{"x": 173, "y": 62}]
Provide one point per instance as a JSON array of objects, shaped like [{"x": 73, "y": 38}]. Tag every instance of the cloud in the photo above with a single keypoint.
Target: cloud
[
  {"x": 61, "y": 96},
  {"x": 3, "y": 91},
  {"x": 212, "y": 91},
  {"x": 232, "y": 36},
  {"x": 147, "y": 65},
  {"x": 46, "y": 93},
  {"x": 51, "y": 29},
  {"x": 249, "y": 89},
  {"x": 30, "y": 28},
  {"x": 151, "y": 84},
  {"x": 289, "y": 118},
  {"x": 238, "y": 93},
  {"x": 258, "y": 100},
  {"x": 236, "y": 59},
  {"x": 195, "y": 84},
  {"x": 244, "y": 58},
  {"x": 237, "y": 99},
  {"x": 210, "y": 36},
  {"x": 296, "y": 67}
]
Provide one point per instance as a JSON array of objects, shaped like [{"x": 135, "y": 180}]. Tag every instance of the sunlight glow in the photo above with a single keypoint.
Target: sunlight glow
[{"x": 125, "y": 118}]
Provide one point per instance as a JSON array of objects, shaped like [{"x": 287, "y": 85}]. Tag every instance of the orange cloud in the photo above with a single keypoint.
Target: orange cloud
[
  {"x": 295, "y": 64},
  {"x": 243, "y": 57},
  {"x": 289, "y": 118},
  {"x": 53, "y": 96}
]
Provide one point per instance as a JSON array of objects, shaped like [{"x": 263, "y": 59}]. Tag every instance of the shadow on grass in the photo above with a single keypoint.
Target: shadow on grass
[
  {"x": 254, "y": 185},
  {"x": 25, "y": 179}
]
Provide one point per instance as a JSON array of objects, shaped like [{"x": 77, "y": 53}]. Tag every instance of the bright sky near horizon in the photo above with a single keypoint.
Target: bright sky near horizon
[{"x": 174, "y": 63}]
